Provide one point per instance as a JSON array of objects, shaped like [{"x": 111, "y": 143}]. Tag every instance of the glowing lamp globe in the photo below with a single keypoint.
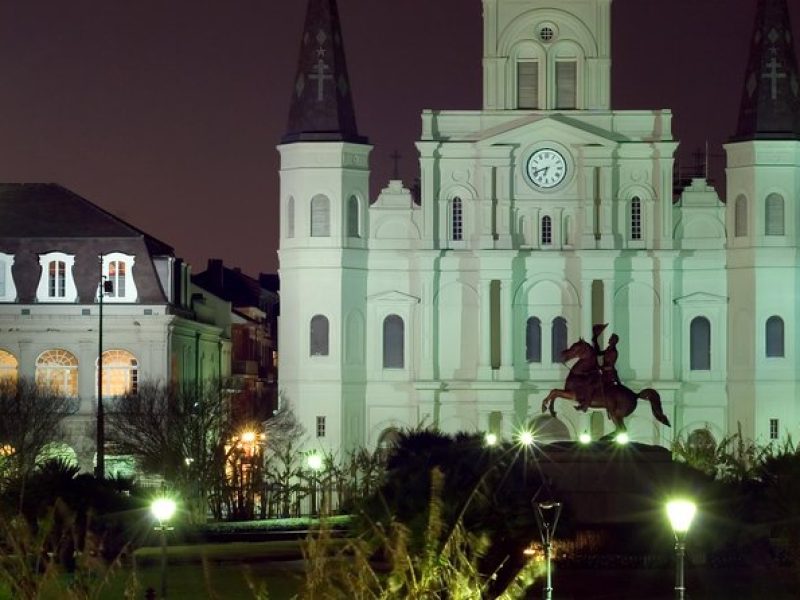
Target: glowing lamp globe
[
  {"x": 585, "y": 438},
  {"x": 526, "y": 438},
  {"x": 681, "y": 513},
  {"x": 249, "y": 437},
  {"x": 490, "y": 439},
  {"x": 163, "y": 509},
  {"x": 314, "y": 462},
  {"x": 622, "y": 438}
]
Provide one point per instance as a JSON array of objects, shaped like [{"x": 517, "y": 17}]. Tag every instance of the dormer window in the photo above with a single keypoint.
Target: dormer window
[
  {"x": 8, "y": 292},
  {"x": 118, "y": 274},
  {"x": 56, "y": 283}
]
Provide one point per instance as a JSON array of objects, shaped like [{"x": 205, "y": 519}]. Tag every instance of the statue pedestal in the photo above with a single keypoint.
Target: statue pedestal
[{"x": 607, "y": 483}]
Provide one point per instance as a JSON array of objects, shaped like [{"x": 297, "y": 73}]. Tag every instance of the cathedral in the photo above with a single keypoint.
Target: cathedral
[{"x": 539, "y": 214}]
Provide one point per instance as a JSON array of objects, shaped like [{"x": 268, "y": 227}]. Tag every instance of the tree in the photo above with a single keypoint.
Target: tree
[
  {"x": 177, "y": 431},
  {"x": 284, "y": 467},
  {"x": 31, "y": 418}
]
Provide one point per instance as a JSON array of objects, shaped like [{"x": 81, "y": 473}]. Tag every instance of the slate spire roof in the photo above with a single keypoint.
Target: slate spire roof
[
  {"x": 771, "y": 100},
  {"x": 322, "y": 102}
]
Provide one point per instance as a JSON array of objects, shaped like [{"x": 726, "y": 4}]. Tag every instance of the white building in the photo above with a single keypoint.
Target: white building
[
  {"x": 540, "y": 214},
  {"x": 54, "y": 248}
]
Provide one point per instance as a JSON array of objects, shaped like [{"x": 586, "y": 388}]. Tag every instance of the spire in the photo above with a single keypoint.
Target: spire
[
  {"x": 771, "y": 99},
  {"x": 322, "y": 104}
]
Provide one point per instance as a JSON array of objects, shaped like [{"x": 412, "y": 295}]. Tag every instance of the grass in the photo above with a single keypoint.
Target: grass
[
  {"x": 225, "y": 552},
  {"x": 297, "y": 523}
]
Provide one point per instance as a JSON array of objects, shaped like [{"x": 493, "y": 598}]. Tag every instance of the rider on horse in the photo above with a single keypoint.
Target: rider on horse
[{"x": 608, "y": 370}]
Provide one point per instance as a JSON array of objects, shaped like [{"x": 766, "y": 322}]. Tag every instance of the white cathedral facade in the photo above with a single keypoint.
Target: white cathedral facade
[{"x": 540, "y": 214}]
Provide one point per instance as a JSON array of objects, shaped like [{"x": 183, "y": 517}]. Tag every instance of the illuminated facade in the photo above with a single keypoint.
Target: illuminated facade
[
  {"x": 49, "y": 313},
  {"x": 540, "y": 214}
]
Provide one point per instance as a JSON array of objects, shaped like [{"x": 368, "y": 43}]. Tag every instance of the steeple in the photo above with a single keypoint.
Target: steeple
[
  {"x": 322, "y": 103},
  {"x": 771, "y": 99}
]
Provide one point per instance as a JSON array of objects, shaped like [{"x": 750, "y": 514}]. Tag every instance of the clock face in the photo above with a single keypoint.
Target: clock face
[{"x": 547, "y": 168}]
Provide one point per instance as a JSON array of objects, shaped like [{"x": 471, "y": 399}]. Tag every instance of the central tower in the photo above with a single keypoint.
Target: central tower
[{"x": 539, "y": 57}]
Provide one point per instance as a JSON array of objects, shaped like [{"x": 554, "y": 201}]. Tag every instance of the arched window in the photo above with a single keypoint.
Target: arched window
[
  {"x": 290, "y": 217},
  {"x": 320, "y": 216},
  {"x": 8, "y": 366},
  {"x": 528, "y": 84},
  {"x": 740, "y": 217},
  {"x": 547, "y": 231},
  {"x": 774, "y": 341},
  {"x": 774, "y": 221},
  {"x": 558, "y": 338},
  {"x": 120, "y": 373},
  {"x": 318, "y": 336},
  {"x": 566, "y": 84},
  {"x": 457, "y": 220},
  {"x": 393, "y": 343},
  {"x": 533, "y": 340},
  {"x": 58, "y": 370},
  {"x": 352, "y": 218},
  {"x": 636, "y": 218},
  {"x": 700, "y": 344}
]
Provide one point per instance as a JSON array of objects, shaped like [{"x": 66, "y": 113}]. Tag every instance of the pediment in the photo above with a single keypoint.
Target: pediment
[
  {"x": 701, "y": 298},
  {"x": 568, "y": 131},
  {"x": 393, "y": 297}
]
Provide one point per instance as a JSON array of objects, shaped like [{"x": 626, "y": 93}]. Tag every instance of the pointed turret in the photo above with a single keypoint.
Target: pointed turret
[
  {"x": 771, "y": 100},
  {"x": 322, "y": 104}
]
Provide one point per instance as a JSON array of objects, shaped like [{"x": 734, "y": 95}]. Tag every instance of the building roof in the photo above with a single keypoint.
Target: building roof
[
  {"x": 322, "y": 103},
  {"x": 234, "y": 286},
  {"x": 771, "y": 99},
  {"x": 49, "y": 210}
]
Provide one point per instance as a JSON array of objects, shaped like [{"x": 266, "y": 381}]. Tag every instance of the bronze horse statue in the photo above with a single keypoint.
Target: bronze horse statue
[{"x": 585, "y": 385}]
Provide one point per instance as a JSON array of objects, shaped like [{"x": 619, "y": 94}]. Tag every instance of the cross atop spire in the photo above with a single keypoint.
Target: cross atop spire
[
  {"x": 771, "y": 99},
  {"x": 322, "y": 103}
]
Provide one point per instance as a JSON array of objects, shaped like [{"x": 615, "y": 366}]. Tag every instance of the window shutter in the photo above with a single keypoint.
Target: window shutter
[
  {"x": 320, "y": 217},
  {"x": 352, "y": 217},
  {"x": 528, "y": 85},
  {"x": 774, "y": 221},
  {"x": 566, "y": 84}
]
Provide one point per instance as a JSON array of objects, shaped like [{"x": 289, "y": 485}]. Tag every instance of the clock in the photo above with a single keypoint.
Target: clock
[{"x": 547, "y": 168}]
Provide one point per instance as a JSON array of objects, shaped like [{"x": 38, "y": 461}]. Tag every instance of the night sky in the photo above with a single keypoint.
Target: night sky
[{"x": 167, "y": 113}]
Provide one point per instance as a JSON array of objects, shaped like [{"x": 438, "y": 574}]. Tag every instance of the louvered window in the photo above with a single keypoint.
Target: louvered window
[
  {"x": 700, "y": 344},
  {"x": 528, "y": 84},
  {"x": 740, "y": 217},
  {"x": 566, "y": 84},
  {"x": 774, "y": 216},
  {"x": 352, "y": 217},
  {"x": 320, "y": 216},
  {"x": 533, "y": 340}
]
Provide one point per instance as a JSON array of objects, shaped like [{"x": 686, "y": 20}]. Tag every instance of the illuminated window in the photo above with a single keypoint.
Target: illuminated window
[
  {"x": 547, "y": 231},
  {"x": 533, "y": 340},
  {"x": 636, "y": 218},
  {"x": 119, "y": 283},
  {"x": 320, "y": 216},
  {"x": 8, "y": 366},
  {"x": 56, "y": 279},
  {"x": 457, "y": 220},
  {"x": 318, "y": 334},
  {"x": 58, "y": 370},
  {"x": 773, "y": 429},
  {"x": 393, "y": 343},
  {"x": 558, "y": 338},
  {"x": 774, "y": 335},
  {"x": 320, "y": 427},
  {"x": 774, "y": 222},
  {"x": 352, "y": 217},
  {"x": 740, "y": 217},
  {"x": 120, "y": 373},
  {"x": 700, "y": 344}
]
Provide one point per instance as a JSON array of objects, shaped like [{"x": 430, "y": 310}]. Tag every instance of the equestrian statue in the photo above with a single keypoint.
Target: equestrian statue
[{"x": 594, "y": 383}]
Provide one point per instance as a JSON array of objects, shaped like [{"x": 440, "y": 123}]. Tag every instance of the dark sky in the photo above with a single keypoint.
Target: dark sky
[{"x": 167, "y": 113}]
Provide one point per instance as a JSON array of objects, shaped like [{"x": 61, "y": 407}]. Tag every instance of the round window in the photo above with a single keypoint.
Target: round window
[{"x": 546, "y": 34}]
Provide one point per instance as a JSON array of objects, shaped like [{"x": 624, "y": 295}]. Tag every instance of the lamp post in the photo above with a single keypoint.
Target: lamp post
[
  {"x": 163, "y": 510},
  {"x": 680, "y": 513},
  {"x": 547, "y": 514},
  {"x": 105, "y": 287}
]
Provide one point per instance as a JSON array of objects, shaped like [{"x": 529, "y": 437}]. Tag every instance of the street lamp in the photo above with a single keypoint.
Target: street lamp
[
  {"x": 163, "y": 509},
  {"x": 547, "y": 514},
  {"x": 622, "y": 438},
  {"x": 680, "y": 513},
  {"x": 105, "y": 287},
  {"x": 490, "y": 439},
  {"x": 526, "y": 438},
  {"x": 585, "y": 438}
]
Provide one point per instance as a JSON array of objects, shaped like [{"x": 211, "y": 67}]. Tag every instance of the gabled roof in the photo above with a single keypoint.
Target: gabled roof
[
  {"x": 322, "y": 103},
  {"x": 771, "y": 99},
  {"x": 48, "y": 210}
]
